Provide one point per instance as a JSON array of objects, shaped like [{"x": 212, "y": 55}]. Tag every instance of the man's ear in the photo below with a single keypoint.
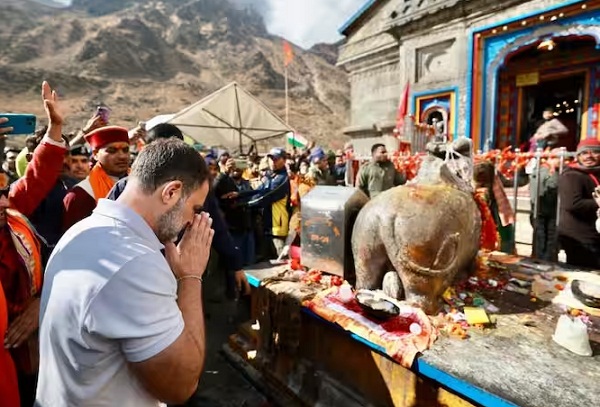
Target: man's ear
[{"x": 171, "y": 192}]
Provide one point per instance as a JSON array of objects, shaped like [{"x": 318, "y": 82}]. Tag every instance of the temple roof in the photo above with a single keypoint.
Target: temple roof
[
  {"x": 356, "y": 17},
  {"x": 405, "y": 11}
]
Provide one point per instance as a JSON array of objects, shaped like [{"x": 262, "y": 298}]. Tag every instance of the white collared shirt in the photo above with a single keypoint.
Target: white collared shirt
[{"x": 109, "y": 299}]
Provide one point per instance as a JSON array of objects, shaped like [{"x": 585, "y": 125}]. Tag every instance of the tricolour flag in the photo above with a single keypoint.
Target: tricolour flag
[{"x": 296, "y": 140}]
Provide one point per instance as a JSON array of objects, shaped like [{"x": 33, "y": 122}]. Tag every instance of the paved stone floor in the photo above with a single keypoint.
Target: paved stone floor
[{"x": 221, "y": 385}]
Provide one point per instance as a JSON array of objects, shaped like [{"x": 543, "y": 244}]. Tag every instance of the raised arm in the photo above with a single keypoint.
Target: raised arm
[
  {"x": 277, "y": 189},
  {"x": 46, "y": 165}
]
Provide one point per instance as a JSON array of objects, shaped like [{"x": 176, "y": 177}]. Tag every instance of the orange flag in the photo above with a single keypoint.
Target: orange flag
[
  {"x": 288, "y": 53},
  {"x": 402, "y": 109}
]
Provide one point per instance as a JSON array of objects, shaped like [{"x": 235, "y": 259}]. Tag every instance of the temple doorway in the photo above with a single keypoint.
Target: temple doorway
[
  {"x": 550, "y": 73},
  {"x": 565, "y": 96}
]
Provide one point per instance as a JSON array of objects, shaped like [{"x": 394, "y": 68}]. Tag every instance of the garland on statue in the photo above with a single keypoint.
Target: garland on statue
[{"x": 506, "y": 161}]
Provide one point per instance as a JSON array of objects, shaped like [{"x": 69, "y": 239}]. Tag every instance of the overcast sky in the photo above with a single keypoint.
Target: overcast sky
[
  {"x": 303, "y": 22},
  {"x": 306, "y": 22}
]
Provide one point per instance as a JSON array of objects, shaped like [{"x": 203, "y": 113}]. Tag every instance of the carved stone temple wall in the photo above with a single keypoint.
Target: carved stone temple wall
[{"x": 421, "y": 42}]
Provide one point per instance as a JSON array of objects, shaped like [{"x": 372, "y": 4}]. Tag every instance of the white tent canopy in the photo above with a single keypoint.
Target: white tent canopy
[
  {"x": 156, "y": 120},
  {"x": 231, "y": 118}
]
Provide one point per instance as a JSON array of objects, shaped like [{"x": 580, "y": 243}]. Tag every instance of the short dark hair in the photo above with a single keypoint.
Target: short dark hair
[
  {"x": 41, "y": 132},
  {"x": 163, "y": 131},
  {"x": 168, "y": 160},
  {"x": 376, "y": 146}
]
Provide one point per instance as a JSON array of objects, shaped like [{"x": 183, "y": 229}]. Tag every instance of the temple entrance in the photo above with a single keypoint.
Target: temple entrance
[
  {"x": 565, "y": 95},
  {"x": 551, "y": 73}
]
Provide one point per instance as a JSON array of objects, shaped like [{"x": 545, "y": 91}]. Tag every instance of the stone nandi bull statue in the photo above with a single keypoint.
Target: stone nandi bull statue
[{"x": 427, "y": 230}]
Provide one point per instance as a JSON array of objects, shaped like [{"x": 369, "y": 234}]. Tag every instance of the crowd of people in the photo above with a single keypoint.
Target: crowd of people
[
  {"x": 103, "y": 252},
  {"x": 97, "y": 304},
  {"x": 83, "y": 230}
]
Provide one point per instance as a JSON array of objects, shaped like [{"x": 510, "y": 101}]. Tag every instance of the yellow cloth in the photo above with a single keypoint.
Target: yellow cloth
[
  {"x": 21, "y": 162},
  {"x": 247, "y": 174},
  {"x": 281, "y": 218}
]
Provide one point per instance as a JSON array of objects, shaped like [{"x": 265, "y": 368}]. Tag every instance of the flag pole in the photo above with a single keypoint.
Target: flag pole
[
  {"x": 287, "y": 105},
  {"x": 287, "y": 109}
]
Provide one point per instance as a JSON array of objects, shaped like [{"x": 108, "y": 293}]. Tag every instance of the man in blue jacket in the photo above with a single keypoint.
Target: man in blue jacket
[
  {"x": 273, "y": 196},
  {"x": 222, "y": 240}
]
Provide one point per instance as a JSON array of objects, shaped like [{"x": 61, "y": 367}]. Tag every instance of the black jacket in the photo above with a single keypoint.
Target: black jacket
[
  {"x": 577, "y": 206},
  {"x": 47, "y": 218},
  {"x": 237, "y": 216},
  {"x": 222, "y": 241}
]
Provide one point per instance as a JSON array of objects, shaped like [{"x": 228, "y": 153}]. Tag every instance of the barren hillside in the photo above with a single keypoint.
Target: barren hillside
[{"x": 144, "y": 58}]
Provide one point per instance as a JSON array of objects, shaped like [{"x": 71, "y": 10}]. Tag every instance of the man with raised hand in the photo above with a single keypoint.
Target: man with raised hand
[{"x": 21, "y": 268}]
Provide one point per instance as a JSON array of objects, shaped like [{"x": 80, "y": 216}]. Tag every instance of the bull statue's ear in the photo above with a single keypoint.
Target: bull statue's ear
[
  {"x": 437, "y": 149},
  {"x": 463, "y": 146},
  {"x": 450, "y": 175}
]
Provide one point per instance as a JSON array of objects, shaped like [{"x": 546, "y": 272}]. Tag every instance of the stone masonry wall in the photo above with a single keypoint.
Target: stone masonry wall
[{"x": 430, "y": 58}]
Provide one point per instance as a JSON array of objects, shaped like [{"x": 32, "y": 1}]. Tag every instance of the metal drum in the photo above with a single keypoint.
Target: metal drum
[{"x": 328, "y": 215}]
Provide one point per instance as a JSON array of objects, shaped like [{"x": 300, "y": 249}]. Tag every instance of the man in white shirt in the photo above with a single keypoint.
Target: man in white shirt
[{"x": 120, "y": 324}]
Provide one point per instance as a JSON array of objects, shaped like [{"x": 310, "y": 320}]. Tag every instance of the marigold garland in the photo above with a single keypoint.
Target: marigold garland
[
  {"x": 506, "y": 161},
  {"x": 408, "y": 164}
]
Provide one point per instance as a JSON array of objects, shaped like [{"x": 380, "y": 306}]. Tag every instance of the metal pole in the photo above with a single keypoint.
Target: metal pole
[
  {"x": 536, "y": 204},
  {"x": 561, "y": 167},
  {"x": 515, "y": 201},
  {"x": 562, "y": 154},
  {"x": 538, "y": 158},
  {"x": 287, "y": 105}
]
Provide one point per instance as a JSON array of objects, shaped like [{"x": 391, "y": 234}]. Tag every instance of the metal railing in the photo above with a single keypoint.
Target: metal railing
[
  {"x": 421, "y": 137},
  {"x": 534, "y": 211}
]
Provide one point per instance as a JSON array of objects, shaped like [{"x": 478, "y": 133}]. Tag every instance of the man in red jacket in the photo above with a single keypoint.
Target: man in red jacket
[{"x": 21, "y": 268}]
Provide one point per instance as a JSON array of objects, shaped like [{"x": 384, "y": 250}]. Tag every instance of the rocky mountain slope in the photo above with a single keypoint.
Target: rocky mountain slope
[{"x": 144, "y": 58}]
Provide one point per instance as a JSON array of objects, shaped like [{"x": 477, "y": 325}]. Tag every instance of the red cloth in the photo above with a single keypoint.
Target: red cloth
[
  {"x": 588, "y": 143},
  {"x": 9, "y": 387},
  {"x": 402, "y": 109},
  {"x": 26, "y": 195},
  {"x": 78, "y": 205},
  {"x": 393, "y": 335},
  {"x": 13, "y": 275},
  {"x": 41, "y": 175},
  {"x": 106, "y": 135}
]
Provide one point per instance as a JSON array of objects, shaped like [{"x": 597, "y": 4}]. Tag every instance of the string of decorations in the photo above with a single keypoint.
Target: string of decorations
[{"x": 507, "y": 162}]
